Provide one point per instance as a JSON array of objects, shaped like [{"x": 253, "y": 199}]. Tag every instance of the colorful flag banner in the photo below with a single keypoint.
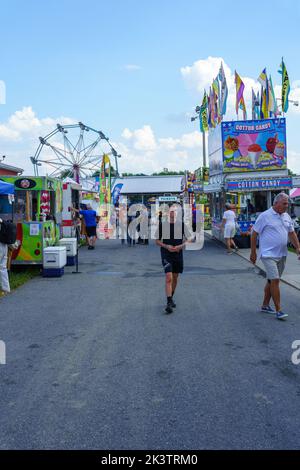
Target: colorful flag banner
[
  {"x": 216, "y": 93},
  {"x": 215, "y": 86},
  {"x": 273, "y": 109},
  {"x": 262, "y": 79},
  {"x": 209, "y": 110},
  {"x": 253, "y": 105},
  {"x": 243, "y": 108},
  {"x": 103, "y": 227},
  {"x": 213, "y": 117},
  {"x": 224, "y": 90},
  {"x": 203, "y": 114},
  {"x": 257, "y": 110},
  {"x": 105, "y": 182},
  {"x": 264, "y": 112},
  {"x": 285, "y": 87},
  {"x": 239, "y": 92}
]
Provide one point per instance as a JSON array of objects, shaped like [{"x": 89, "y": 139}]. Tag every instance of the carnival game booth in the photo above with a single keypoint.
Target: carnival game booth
[
  {"x": 37, "y": 212},
  {"x": 248, "y": 167}
]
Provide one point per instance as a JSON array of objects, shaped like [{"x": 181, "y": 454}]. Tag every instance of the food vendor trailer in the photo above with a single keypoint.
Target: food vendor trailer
[
  {"x": 71, "y": 198},
  {"x": 37, "y": 212},
  {"x": 248, "y": 167}
]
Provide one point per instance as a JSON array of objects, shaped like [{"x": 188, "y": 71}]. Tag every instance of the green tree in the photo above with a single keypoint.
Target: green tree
[
  {"x": 134, "y": 174},
  {"x": 67, "y": 174},
  {"x": 112, "y": 172},
  {"x": 167, "y": 172}
]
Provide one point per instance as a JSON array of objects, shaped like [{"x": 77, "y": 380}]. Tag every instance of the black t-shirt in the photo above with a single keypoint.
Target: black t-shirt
[{"x": 172, "y": 234}]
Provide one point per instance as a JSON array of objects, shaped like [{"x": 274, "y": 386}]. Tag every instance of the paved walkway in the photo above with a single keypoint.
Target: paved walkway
[
  {"x": 291, "y": 273},
  {"x": 93, "y": 362}
]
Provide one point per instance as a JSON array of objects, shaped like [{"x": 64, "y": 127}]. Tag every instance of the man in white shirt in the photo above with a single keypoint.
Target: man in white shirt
[
  {"x": 228, "y": 223},
  {"x": 274, "y": 227}
]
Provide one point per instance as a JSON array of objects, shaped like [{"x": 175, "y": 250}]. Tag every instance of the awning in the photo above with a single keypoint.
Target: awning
[
  {"x": 150, "y": 184},
  {"x": 295, "y": 193},
  {"x": 6, "y": 188},
  {"x": 258, "y": 184}
]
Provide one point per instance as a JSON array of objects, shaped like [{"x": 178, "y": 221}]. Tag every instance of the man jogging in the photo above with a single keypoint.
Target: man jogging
[
  {"x": 274, "y": 227},
  {"x": 171, "y": 236}
]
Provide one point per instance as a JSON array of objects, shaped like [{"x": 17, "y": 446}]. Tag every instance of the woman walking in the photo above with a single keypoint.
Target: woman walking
[{"x": 229, "y": 225}]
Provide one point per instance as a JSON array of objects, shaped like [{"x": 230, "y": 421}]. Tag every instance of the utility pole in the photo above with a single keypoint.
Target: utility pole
[
  {"x": 197, "y": 110},
  {"x": 204, "y": 149}
]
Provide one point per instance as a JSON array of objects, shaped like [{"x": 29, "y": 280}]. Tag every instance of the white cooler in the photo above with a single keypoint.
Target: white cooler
[
  {"x": 55, "y": 257},
  {"x": 70, "y": 244}
]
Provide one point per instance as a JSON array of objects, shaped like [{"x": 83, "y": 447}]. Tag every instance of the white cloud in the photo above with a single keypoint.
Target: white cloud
[
  {"x": 7, "y": 133},
  {"x": 169, "y": 143},
  {"x": 126, "y": 134},
  {"x": 132, "y": 67},
  {"x": 201, "y": 74},
  {"x": 145, "y": 153},
  {"x": 295, "y": 96},
  {"x": 141, "y": 139},
  {"x": 189, "y": 141},
  {"x": 25, "y": 121},
  {"x": 294, "y": 161}
]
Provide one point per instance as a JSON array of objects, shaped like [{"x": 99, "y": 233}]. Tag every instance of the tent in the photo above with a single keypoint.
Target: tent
[
  {"x": 295, "y": 193},
  {"x": 6, "y": 188}
]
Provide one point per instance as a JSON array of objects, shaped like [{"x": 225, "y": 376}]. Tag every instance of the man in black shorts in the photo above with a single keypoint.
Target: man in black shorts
[
  {"x": 171, "y": 236},
  {"x": 90, "y": 219}
]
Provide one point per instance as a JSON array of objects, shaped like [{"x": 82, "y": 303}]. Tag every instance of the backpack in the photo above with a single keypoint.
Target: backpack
[{"x": 8, "y": 233}]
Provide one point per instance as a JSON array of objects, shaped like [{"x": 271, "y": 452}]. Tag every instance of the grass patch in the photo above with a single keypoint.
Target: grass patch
[{"x": 19, "y": 276}]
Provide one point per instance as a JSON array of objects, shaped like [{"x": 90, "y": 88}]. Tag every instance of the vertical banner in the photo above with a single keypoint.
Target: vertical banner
[
  {"x": 116, "y": 193},
  {"x": 103, "y": 229}
]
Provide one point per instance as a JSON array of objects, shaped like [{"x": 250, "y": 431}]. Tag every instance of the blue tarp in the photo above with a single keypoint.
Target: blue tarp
[{"x": 6, "y": 188}]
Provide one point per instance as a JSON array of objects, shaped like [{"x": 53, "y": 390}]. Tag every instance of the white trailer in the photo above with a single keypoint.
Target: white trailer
[{"x": 71, "y": 198}]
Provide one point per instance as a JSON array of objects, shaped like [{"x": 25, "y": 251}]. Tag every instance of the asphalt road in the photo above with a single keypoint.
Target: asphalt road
[{"x": 94, "y": 363}]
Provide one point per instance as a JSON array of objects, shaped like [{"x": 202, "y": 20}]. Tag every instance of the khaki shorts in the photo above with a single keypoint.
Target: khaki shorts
[{"x": 274, "y": 267}]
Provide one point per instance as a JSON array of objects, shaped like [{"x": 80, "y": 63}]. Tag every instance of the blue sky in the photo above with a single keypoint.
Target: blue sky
[{"x": 70, "y": 59}]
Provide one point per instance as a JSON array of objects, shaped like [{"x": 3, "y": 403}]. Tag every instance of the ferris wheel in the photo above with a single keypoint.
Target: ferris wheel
[{"x": 73, "y": 150}]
